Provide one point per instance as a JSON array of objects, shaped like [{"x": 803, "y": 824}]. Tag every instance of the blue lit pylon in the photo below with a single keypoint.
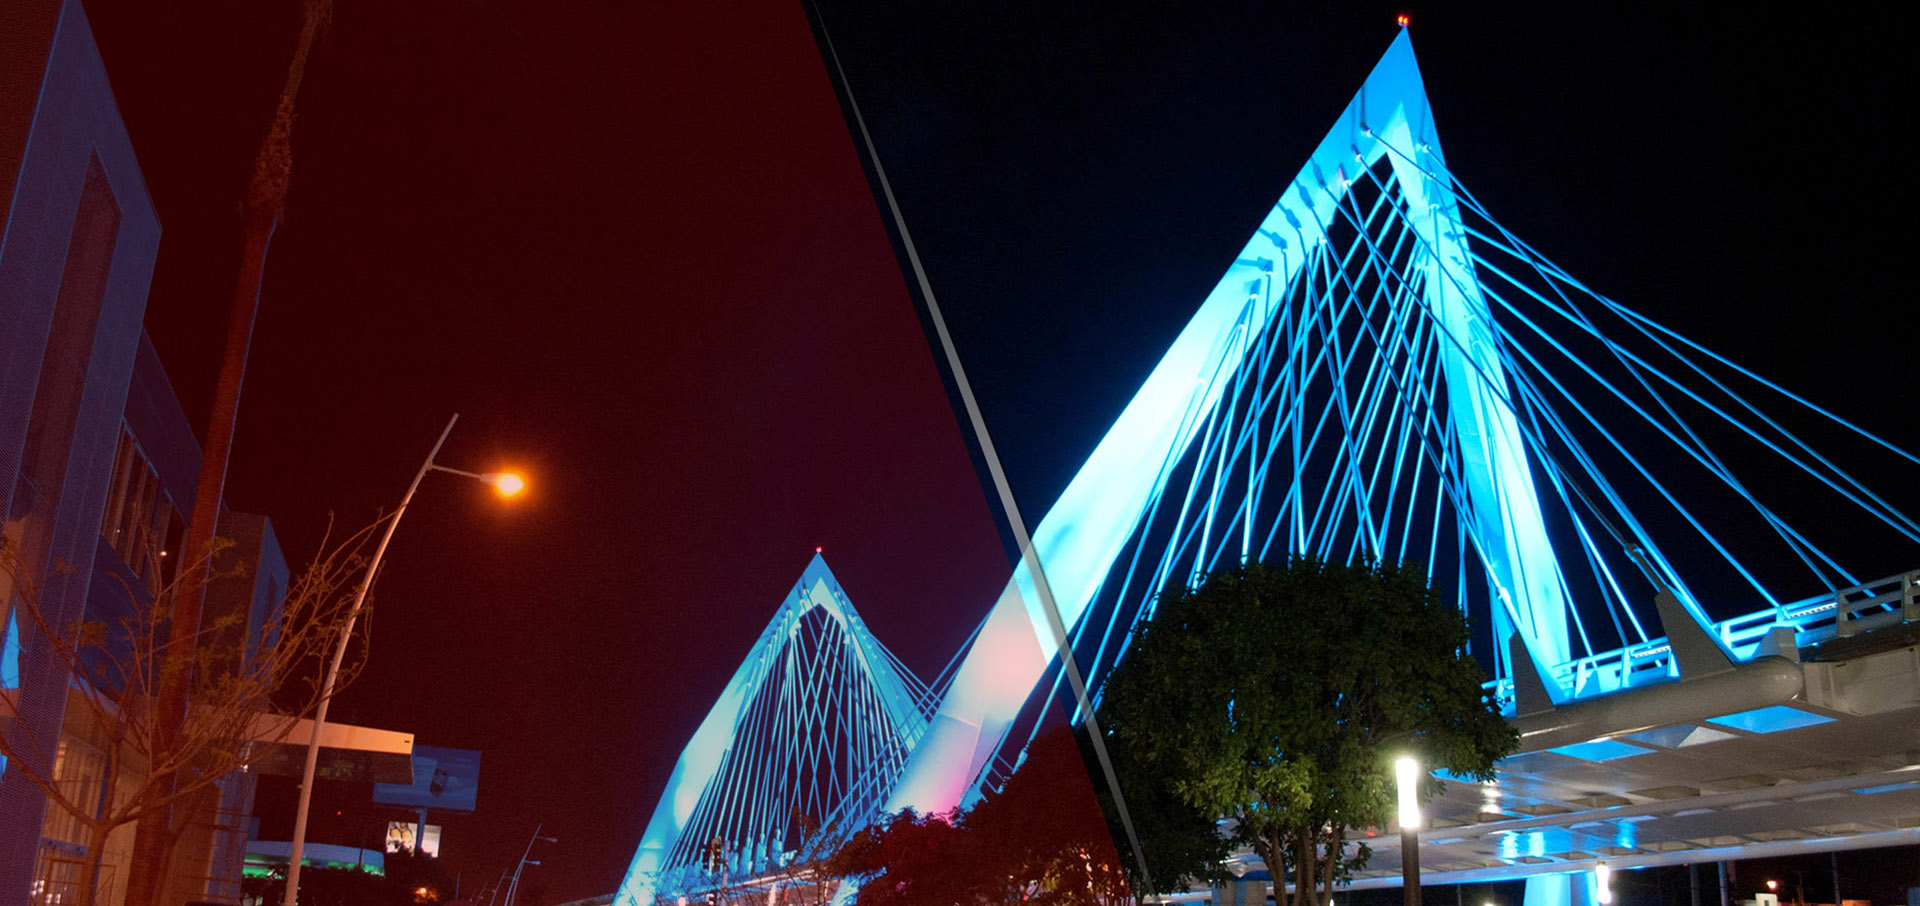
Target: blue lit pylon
[
  {"x": 798, "y": 752},
  {"x": 1079, "y": 539}
]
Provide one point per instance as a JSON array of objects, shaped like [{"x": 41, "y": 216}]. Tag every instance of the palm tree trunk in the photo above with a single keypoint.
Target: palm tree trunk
[{"x": 266, "y": 196}]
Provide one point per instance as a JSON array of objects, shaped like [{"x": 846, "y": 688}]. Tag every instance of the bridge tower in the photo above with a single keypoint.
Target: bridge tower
[
  {"x": 1079, "y": 540},
  {"x": 797, "y": 754}
]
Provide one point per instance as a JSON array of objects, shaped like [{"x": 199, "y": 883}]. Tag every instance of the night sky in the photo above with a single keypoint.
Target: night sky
[{"x": 633, "y": 245}]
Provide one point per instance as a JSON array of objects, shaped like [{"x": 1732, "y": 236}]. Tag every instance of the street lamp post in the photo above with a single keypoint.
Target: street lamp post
[
  {"x": 513, "y": 887},
  {"x": 493, "y": 890},
  {"x": 507, "y": 484},
  {"x": 1406, "y": 774}
]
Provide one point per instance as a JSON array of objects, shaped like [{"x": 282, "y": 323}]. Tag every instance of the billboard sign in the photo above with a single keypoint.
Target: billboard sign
[
  {"x": 400, "y": 838},
  {"x": 445, "y": 779}
]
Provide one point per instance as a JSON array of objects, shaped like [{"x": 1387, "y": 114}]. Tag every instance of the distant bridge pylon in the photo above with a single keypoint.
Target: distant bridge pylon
[{"x": 798, "y": 753}]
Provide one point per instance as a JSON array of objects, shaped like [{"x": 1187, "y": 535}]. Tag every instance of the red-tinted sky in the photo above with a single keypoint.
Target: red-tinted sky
[{"x": 632, "y": 244}]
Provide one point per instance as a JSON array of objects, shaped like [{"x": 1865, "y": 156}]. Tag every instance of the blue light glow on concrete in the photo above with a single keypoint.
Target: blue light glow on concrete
[
  {"x": 1770, "y": 720},
  {"x": 1571, "y": 889},
  {"x": 1529, "y": 844},
  {"x": 1600, "y": 750}
]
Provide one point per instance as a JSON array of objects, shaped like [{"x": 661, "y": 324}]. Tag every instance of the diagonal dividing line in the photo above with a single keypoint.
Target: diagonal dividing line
[{"x": 1063, "y": 648}]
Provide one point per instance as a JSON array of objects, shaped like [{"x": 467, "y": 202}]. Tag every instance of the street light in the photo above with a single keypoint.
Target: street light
[
  {"x": 494, "y": 889},
  {"x": 513, "y": 887},
  {"x": 1406, "y": 775},
  {"x": 507, "y": 484}
]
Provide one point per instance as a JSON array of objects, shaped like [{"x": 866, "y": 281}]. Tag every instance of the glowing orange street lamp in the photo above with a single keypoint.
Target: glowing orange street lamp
[{"x": 507, "y": 484}]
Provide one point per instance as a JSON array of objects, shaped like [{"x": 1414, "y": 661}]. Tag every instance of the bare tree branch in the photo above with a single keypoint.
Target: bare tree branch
[{"x": 249, "y": 686}]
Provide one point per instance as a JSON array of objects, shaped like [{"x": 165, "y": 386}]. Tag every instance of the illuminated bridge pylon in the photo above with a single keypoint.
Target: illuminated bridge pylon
[
  {"x": 1385, "y": 372},
  {"x": 798, "y": 753}
]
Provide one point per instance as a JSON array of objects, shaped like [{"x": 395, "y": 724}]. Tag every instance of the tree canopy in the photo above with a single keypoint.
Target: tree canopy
[
  {"x": 1040, "y": 840},
  {"x": 1274, "y": 697}
]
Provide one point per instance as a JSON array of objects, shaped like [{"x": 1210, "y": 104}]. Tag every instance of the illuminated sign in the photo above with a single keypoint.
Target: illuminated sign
[{"x": 400, "y": 838}]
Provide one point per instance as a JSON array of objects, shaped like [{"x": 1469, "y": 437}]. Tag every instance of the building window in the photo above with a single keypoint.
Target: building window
[
  {"x": 140, "y": 524},
  {"x": 57, "y": 878},
  {"x": 80, "y": 772}
]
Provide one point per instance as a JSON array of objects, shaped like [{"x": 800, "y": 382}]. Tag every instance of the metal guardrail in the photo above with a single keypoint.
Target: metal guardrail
[{"x": 1840, "y": 613}]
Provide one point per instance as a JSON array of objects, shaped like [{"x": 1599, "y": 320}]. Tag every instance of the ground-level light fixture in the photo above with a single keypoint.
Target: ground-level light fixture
[{"x": 1406, "y": 775}]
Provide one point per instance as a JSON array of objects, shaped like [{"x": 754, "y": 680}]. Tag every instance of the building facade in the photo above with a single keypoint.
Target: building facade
[{"x": 98, "y": 462}]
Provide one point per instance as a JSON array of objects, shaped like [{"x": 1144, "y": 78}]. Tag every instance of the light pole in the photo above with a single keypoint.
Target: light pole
[
  {"x": 513, "y": 887},
  {"x": 493, "y": 891},
  {"x": 1406, "y": 774},
  {"x": 508, "y": 484}
]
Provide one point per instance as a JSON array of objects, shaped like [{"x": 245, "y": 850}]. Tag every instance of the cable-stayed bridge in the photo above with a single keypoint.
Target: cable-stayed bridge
[
  {"x": 1649, "y": 535},
  {"x": 795, "y": 756}
]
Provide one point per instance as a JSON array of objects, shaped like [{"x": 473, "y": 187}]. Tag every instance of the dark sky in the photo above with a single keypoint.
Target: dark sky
[{"x": 632, "y": 243}]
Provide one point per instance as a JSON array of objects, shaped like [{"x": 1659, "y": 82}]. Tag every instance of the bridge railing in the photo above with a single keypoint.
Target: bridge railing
[{"x": 1841, "y": 613}]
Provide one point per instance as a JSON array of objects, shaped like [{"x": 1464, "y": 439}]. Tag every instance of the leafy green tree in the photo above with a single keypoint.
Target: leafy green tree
[
  {"x": 1274, "y": 697},
  {"x": 1040, "y": 840},
  {"x": 1183, "y": 839},
  {"x": 908, "y": 859},
  {"x": 1044, "y": 831}
]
